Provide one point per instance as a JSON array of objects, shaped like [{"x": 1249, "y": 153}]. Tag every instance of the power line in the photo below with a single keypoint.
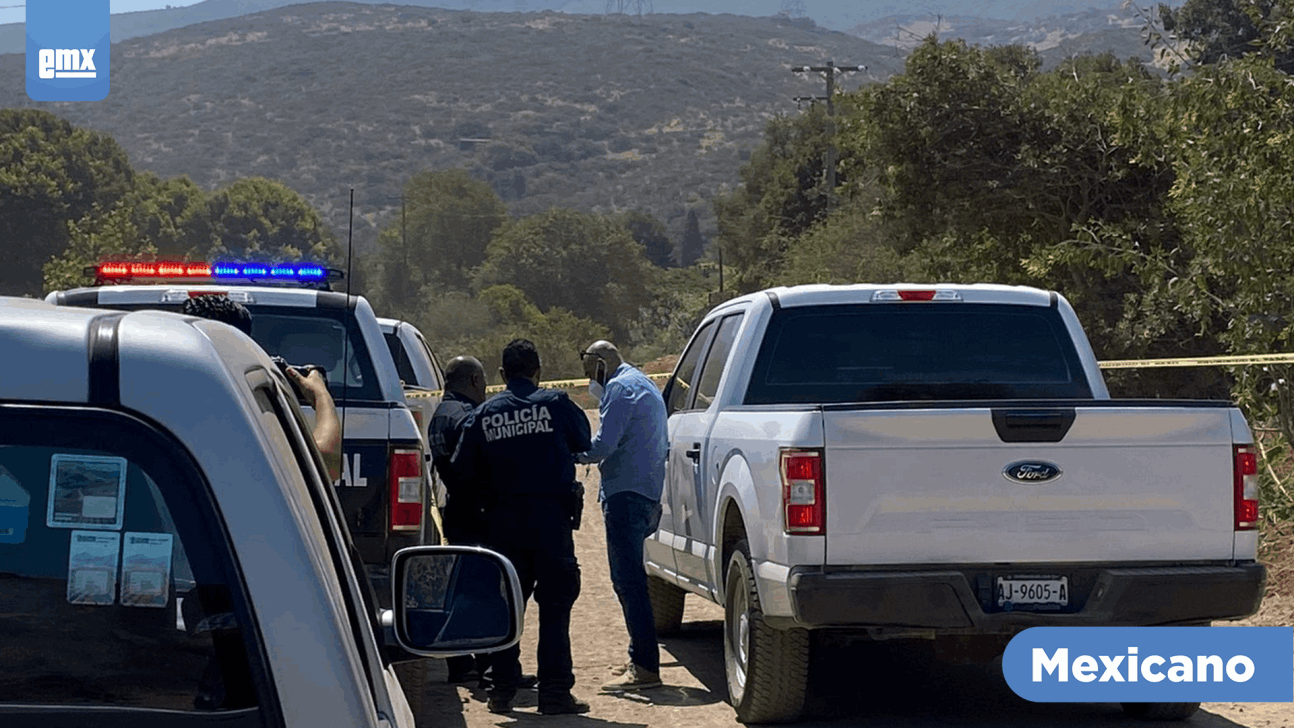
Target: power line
[{"x": 629, "y": 7}]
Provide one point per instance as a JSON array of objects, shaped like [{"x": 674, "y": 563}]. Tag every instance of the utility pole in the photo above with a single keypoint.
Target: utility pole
[
  {"x": 829, "y": 71},
  {"x": 404, "y": 245}
]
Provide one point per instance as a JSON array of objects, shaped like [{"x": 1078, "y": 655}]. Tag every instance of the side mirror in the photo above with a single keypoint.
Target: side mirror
[{"x": 455, "y": 600}]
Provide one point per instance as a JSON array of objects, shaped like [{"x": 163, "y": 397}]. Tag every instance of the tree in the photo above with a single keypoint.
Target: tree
[
  {"x": 256, "y": 218},
  {"x": 449, "y": 221},
  {"x": 1215, "y": 30},
  {"x": 169, "y": 214},
  {"x": 945, "y": 138},
  {"x": 650, "y": 234},
  {"x": 782, "y": 194},
  {"x": 586, "y": 264},
  {"x": 558, "y": 334},
  {"x": 680, "y": 298},
  {"x": 51, "y": 173},
  {"x": 851, "y": 246},
  {"x": 97, "y": 237},
  {"x": 692, "y": 246}
]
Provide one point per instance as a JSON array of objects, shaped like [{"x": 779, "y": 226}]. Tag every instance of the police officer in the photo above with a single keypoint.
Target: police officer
[
  {"x": 518, "y": 449},
  {"x": 464, "y": 524}
]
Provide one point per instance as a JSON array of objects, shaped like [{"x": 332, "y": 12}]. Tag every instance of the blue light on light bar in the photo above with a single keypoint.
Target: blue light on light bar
[{"x": 298, "y": 271}]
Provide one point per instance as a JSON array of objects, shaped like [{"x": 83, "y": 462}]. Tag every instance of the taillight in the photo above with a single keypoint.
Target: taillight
[
  {"x": 803, "y": 492},
  {"x": 1246, "y": 487},
  {"x": 406, "y": 490}
]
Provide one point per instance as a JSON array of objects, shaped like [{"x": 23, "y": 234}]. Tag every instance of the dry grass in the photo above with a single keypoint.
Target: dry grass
[{"x": 663, "y": 365}]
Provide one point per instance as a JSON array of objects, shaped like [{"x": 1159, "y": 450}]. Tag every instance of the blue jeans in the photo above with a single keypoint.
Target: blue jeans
[{"x": 630, "y": 518}]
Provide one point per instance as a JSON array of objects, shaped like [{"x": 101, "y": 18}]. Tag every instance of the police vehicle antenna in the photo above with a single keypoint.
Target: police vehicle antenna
[{"x": 347, "y": 319}]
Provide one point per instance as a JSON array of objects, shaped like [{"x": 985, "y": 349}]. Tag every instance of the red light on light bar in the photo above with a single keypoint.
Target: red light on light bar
[
  {"x": 917, "y": 295},
  {"x": 143, "y": 269},
  {"x": 113, "y": 270}
]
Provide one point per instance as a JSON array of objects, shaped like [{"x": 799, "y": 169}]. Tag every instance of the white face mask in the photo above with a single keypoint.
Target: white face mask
[{"x": 595, "y": 387}]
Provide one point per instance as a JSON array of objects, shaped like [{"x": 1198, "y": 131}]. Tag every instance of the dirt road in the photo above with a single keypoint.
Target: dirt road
[{"x": 875, "y": 686}]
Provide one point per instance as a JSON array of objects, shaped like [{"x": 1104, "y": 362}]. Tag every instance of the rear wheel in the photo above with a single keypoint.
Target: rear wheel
[
  {"x": 767, "y": 669},
  {"x": 1160, "y": 711},
  {"x": 666, "y": 605}
]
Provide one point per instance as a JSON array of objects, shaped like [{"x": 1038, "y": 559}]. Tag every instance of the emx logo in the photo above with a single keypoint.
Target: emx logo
[
  {"x": 68, "y": 50},
  {"x": 67, "y": 63}
]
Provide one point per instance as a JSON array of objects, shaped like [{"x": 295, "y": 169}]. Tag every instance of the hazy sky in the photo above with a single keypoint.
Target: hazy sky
[{"x": 10, "y": 14}]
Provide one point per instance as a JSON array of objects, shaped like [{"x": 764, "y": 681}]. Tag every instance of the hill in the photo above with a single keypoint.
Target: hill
[
  {"x": 998, "y": 14},
  {"x": 593, "y": 112},
  {"x": 1095, "y": 30}
]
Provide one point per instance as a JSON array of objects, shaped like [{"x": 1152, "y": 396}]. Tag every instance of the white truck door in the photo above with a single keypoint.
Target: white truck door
[
  {"x": 697, "y": 513},
  {"x": 681, "y": 469}
]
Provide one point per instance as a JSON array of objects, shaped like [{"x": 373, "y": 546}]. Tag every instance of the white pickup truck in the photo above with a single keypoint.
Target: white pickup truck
[{"x": 935, "y": 462}]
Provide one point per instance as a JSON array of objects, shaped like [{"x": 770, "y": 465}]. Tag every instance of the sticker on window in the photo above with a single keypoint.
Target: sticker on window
[
  {"x": 146, "y": 569},
  {"x": 15, "y": 502},
  {"x": 92, "y": 567},
  {"x": 86, "y": 491}
]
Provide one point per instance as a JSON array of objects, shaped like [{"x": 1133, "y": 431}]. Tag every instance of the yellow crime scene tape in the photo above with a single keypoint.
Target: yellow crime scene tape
[
  {"x": 1202, "y": 361},
  {"x": 554, "y": 384}
]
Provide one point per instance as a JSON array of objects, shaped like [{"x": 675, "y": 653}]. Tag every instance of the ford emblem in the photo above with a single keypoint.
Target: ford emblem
[{"x": 1031, "y": 471}]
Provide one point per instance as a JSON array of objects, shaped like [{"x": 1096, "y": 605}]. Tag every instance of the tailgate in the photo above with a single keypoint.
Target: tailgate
[
  {"x": 908, "y": 486},
  {"x": 364, "y": 486}
]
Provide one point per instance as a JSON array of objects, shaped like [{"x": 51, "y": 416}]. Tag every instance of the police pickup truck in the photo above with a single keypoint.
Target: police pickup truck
[
  {"x": 942, "y": 463},
  {"x": 384, "y": 488},
  {"x": 171, "y": 553}
]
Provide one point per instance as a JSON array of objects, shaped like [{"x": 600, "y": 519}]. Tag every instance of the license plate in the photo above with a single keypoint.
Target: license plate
[{"x": 1046, "y": 590}]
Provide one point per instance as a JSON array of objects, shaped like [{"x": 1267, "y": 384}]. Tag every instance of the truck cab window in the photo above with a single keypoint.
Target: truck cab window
[
  {"x": 119, "y": 588},
  {"x": 716, "y": 361},
  {"x": 679, "y": 388}
]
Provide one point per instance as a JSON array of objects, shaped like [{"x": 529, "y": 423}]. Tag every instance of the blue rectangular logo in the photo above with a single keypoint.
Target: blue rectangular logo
[
  {"x": 68, "y": 50},
  {"x": 1151, "y": 664}
]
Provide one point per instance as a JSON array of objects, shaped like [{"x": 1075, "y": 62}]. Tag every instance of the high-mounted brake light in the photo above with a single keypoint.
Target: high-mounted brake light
[
  {"x": 1246, "y": 487},
  {"x": 280, "y": 271},
  {"x": 803, "y": 492},
  {"x": 909, "y": 294},
  {"x": 406, "y": 489},
  {"x": 180, "y": 295}
]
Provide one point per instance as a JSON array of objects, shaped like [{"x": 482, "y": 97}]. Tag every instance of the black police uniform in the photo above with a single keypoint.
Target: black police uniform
[
  {"x": 462, "y": 518},
  {"x": 464, "y": 523},
  {"x": 518, "y": 449}
]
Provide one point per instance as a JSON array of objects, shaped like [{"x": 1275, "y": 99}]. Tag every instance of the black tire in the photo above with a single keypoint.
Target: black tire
[
  {"x": 666, "y": 605},
  {"x": 1160, "y": 711},
  {"x": 413, "y": 678},
  {"x": 767, "y": 669}
]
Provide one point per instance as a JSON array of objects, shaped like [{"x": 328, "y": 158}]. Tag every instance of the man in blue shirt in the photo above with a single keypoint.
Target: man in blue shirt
[{"x": 631, "y": 446}]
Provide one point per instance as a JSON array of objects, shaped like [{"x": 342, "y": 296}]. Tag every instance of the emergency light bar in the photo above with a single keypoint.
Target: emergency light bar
[{"x": 288, "y": 272}]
